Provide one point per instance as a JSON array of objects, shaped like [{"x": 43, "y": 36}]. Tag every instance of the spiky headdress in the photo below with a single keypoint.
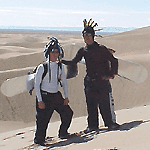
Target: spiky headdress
[
  {"x": 51, "y": 45},
  {"x": 89, "y": 27}
]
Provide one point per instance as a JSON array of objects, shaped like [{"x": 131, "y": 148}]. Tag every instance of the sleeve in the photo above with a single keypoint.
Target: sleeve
[
  {"x": 76, "y": 59},
  {"x": 64, "y": 82},
  {"x": 38, "y": 79},
  {"x": 114, "y": 64}
]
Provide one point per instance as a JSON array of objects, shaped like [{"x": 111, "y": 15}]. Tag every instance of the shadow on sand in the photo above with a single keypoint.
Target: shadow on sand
[
  {"x": 83, "y": 138},
  {"x": 131, "y": 125},
  {"x": 77, "y": 139}
]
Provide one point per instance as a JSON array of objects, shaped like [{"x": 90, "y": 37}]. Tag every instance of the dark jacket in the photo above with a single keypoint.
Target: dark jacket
[{"x": 98, "y": 60}]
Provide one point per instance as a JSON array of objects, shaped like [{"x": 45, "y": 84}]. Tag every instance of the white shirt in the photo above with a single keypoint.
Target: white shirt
[{"x": 52, "y": 86}]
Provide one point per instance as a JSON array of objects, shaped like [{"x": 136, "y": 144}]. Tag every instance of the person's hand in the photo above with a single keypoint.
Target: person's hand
[
  {"x": 41, "y": 105},
  {"x": 113, "y": 76},
  {"x": 66, "y": 101},
  {"x": 108, "y": 77}
]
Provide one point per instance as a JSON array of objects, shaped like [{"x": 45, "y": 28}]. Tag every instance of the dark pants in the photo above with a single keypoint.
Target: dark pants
[
  {"x": 97, "y": 96},
  {"x": 53, "y": 101}
]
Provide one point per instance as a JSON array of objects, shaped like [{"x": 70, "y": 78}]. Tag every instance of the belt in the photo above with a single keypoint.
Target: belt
[
  {"x": 46, "y": 93},
  {"x": 94, "y": 76}
]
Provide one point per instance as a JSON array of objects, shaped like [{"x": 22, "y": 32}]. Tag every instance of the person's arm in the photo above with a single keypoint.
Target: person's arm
[
  {"x": 76, "y": 59},
  {"x": 37, "y": 86},
  {"x": 114, "y": 64},
  {"x": 64, "y": 85}
]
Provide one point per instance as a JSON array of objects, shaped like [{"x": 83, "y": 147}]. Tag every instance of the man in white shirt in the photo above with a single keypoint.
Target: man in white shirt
[{"x": 48, "y": 98}]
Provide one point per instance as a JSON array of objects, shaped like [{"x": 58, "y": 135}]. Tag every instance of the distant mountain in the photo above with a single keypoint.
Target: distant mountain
[{"x": 105, "y": 29}]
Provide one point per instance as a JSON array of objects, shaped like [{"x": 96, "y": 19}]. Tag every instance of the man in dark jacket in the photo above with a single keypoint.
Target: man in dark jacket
[{"x": 97, "y": 58}]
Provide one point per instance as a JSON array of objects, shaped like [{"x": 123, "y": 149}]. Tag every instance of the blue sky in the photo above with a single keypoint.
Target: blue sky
[{"x": 67, "y": 13}]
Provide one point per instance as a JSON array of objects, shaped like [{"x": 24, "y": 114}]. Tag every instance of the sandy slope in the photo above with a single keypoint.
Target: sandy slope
[
  {"x": 24, "y": 49},
  {"x": 132, "y": 135},
  {"x": 21, "y": 50}
]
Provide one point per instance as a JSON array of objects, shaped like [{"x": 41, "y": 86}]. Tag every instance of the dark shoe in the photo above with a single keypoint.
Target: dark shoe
[
  {"x": 42, "y": 143},
  {"x": 87, "y": 130},
  {"x": 64, "y": 136},
  {"x": 114, "y": 126}
]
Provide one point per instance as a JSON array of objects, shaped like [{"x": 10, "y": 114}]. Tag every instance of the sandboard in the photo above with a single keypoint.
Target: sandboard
[
  {"x": 132, "y": 71},
  {"x": 17, "y": 85},
  {"x": 14, "y": 86},
  {"x": 129, "y": 70}
]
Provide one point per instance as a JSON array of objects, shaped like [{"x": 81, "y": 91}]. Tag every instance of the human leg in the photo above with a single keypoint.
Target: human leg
[
  {"x": 112, "y": 108},
  {"x": 92, "y": 110},
  {"x": 92, "y": 105},
  {"x": 111, "y": 103},
  {"x": 42, "y": 119},
  {"x": 65, "y": 113},
  {"x": 104, "y": 106}
]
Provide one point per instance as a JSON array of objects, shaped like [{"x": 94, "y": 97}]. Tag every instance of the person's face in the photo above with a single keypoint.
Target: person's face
[
  {"x": 54, "y": 55},
  {"x": 88, "y": 39}
]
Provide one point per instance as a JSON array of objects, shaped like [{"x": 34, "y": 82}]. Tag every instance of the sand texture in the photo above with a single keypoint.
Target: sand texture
[{"x": 21, "y": 51}]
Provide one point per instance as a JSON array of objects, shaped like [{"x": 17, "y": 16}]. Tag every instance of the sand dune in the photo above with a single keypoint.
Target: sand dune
[
  {"x": 129, "y": 45},
  {"x": 21, "y": 50},
  {"x": 132, "y": 135}
]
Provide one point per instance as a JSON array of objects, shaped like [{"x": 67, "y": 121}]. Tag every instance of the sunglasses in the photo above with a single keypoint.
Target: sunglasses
[
  {"x": 54, "y": 51},
  {"x": 86, "y": 34}
]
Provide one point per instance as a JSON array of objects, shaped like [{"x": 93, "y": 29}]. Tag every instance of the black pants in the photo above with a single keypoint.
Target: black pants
[
  {"x": 53, "y": 101},
  {"x": 97, "y": 96}
]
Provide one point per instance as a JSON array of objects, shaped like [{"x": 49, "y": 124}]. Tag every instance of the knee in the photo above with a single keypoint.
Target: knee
[
  {"x": 71, "y": 112},
  {"x": 67, "y": 112}
]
